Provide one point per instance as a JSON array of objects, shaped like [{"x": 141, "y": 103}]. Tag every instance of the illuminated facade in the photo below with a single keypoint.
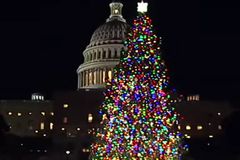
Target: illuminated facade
[
  {"x": 28, "y": 117},
  {"x": 203, "y": 119},
  {"x": 103, "y": 52}
]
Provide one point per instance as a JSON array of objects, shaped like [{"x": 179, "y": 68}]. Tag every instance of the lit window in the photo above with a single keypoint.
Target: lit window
[
  {"x": 219, "y": 114},
  {"x": 65, "y": 106},
  {"x": 90, "y": 118},
  {"x": 179, "y": 127},
  {"x": 116, "y": 11},
  {"x": 188, "y": 127},
  {"x": 193, "y": 98},
  {"x": 85, "y": 150},
  {"x": 63, "y": 129},
  {"x": 90, "y": 78},
  {"x": 110, "y": 74},
  {"x": 78, "y": 129},
  {"x": 65, "y": 120},
  {"x": 199, "y": 127},
  {"x": 198, "y": 98},
  {"x": 43, "y": 113},
  {"x": 95, "y": 77},
  {"x": 51, "y": 113},
  {"x": 9, "y": 113},
  {"x": 210, "y": 136},
  {"x": 19, "y": 114},
  {"x": 104, "y": 76},
  {"x": 44, "y": 135},
  {"x": 219, "y": 127},
  {"x": 30, "y": 113},
  {"x": 190, "y": 98},
  {"x": 42, "y": 126},
  {"x": 51, "y": 126},
  {"x": 36, "y": 131}
]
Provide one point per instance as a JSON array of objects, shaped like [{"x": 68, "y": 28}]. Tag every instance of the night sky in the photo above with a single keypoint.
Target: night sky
[{"x": 42, "y": 44}]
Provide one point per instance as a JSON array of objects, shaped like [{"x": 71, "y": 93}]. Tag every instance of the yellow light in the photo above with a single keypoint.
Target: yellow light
[
  {"x": 90, "y": 118},
  {"x": 19, "y": 114},
  {"x": 179, "y": 127},
  {"x": 199, "y": 127},
  {"x": 116, "y": 11},
  {"x": 42, "y": 126},
  {"x": 188, "y": 127},
  {"x": 65, "y": 106},
  {"x": 51, "y": 126}
]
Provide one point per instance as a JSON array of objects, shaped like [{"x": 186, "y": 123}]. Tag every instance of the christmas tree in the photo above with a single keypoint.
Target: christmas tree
[{"x": 138, "y": 118}]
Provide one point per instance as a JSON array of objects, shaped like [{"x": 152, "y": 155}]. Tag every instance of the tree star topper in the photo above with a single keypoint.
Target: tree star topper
[{"x": 142, "y": 7}]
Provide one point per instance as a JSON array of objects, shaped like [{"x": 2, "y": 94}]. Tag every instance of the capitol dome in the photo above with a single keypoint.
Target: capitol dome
[{"x": 103, "y": 52}]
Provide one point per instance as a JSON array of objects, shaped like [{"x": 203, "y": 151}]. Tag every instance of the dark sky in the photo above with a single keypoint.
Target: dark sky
[{"x": 42, "y": 43}]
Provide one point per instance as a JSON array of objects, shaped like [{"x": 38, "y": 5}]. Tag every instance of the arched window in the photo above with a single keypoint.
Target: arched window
[
  {"x": 109, "y": 53},
  {"x": 115, "y": 53},
  {"x": 104, "y": 54},
  {"x": 95, "y": 55},
  {"x": 99, "y": 54},
  {"x": 90, "y": 57}
]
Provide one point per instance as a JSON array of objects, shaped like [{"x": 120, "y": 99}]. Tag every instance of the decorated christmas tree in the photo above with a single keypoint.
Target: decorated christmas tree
[{"x": 139, "y": 121}]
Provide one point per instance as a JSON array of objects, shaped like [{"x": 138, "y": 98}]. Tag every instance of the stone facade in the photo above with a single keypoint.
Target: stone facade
[{"x": 103, "y": 52}]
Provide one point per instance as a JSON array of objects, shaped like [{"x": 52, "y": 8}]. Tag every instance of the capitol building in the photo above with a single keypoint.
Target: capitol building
[
  {"x": 74, "y": 114},
  {"x": 103, "y": 52}
]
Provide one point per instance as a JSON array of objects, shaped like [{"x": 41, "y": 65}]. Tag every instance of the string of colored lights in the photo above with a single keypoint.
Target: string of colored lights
[{"x": 138, "y": 119}]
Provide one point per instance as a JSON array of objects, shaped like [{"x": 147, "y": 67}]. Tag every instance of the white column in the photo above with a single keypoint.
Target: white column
[{"x": 101, "y": 56}]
